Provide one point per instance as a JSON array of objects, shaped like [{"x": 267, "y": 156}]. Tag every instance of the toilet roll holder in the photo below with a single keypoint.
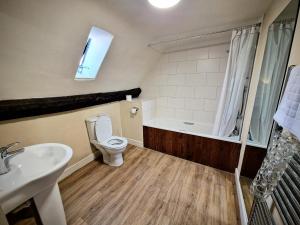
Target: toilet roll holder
[{"x": 134, "y": 110}]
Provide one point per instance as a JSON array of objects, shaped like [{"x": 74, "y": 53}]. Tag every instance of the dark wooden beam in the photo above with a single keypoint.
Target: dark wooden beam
[{"x": 19, "y": 108}]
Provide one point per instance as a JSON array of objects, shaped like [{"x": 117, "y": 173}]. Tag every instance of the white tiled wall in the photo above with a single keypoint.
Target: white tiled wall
[
  {"x": 149, "y": 109},
  {"x": 187, "y": 84}
]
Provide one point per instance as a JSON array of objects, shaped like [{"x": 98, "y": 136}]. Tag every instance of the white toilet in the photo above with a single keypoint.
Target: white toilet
[{"x": 100, "y": 134}]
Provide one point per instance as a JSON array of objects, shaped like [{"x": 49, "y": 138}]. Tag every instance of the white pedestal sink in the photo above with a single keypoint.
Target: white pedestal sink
[{"x": 34, "y": 174}]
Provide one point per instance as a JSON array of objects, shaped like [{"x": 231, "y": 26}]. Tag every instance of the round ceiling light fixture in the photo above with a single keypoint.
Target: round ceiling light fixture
[{"x": 163, "y": 4}]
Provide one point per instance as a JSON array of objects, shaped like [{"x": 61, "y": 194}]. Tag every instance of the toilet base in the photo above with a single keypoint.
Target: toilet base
[
  {"x": 115, "y": 160},
  {"x": 112, "y": 159}
]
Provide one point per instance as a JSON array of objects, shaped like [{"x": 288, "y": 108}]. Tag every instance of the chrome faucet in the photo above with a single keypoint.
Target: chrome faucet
[{"x": 5, "y": 155}]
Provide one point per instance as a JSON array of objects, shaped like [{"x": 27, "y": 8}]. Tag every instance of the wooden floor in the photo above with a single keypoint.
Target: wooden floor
[
  {"x": 248, "y": 198},
  {"x": 149, "y": 188}
]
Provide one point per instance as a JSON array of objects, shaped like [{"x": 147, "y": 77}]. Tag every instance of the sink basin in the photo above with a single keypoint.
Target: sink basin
[{"x": 33, "y": 172}]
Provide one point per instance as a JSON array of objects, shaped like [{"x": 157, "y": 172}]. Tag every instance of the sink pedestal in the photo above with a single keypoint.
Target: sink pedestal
[{"x": 50, "y": 207}]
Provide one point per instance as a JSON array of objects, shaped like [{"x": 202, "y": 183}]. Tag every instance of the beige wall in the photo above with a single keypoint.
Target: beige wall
[
  {"x": 295, "y": 51},
  {"x": 132, "y": 126},
  {"x": 275, "y": 9},
  {"x": 41, "y": 43},
  {"x": 68, "y": 128}
]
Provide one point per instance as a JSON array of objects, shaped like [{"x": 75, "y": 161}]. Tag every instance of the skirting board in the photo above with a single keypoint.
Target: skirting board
[
  {"x": 242, "y": 207},
  {"x": 71, "y": 169},
  {"x": 135, "y": 142}
]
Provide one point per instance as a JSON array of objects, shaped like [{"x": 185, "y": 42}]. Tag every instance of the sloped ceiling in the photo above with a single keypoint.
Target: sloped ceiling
[
  {"x": 41, "y": 41},
  {"x": 188, "y": 15}
]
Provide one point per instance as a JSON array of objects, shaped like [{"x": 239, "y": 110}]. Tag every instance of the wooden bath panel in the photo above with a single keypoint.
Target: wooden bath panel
[
  {"x": 252, "y": 161},
  {"x": 223, "y": 155}
]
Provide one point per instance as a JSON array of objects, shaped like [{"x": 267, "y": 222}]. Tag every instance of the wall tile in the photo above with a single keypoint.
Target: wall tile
[
  {"x": 208, "y": 65},
  {"x": 166, "y": 112},
  {"x": 148, "y": 114},
  {"x": 207, "y": 92},
  {"x": 177, "y": 103},
  {"x": 148, "y": 104},
  {"x": 223, "y": 65},
  {"x": 199, "y": 53},
  {"x": 194, "y": 104},
  {"x": 187, "y": 84},
  {"x": 195, "y": 79},
  {"x": 187, "y": 67},
  {"x": 210, "y": 105},
  {"x": 177, "y": 79},
  {"x": 162, "y": 101},
  {"x": 215, "y": 79},
  {"x": 185, "y": 91},
  {"x": 167, "y": 91},
  {"x": 219, "y": 91},
  {"x": 184, "y": 115},
  {"x": 203, "y": 117},
  {"x": 219, "y": 51}
]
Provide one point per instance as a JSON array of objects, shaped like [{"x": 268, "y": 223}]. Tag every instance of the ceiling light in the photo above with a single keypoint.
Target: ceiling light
[{"x": 163, "y": 4}]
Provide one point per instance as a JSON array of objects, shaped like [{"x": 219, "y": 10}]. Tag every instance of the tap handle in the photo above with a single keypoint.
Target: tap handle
[{"x": 5, "y": 148}]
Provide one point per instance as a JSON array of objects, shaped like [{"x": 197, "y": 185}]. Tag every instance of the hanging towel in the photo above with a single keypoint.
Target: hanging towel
[{"x": 288, "y": 112}]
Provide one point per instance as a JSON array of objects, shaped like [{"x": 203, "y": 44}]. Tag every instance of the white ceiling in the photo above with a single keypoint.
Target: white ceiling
[{"x": 188, "y": 15}]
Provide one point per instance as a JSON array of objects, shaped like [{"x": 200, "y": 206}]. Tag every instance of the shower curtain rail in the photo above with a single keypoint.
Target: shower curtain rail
[{"x": 202, "y": 35}]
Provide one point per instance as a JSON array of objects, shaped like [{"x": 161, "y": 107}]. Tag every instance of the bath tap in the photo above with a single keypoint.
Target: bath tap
[{"x": 5, "y": 155}]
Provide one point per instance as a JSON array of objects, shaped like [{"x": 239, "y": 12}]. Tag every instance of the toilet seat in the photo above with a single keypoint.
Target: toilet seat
[{"x": 115, "y": 142}]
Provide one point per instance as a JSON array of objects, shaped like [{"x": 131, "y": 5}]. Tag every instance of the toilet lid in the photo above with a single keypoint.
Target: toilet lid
[{"x": 103, "y": 128}]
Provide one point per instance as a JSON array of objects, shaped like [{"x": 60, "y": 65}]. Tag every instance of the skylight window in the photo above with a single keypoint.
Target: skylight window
[{"x": 93, "y": 54}]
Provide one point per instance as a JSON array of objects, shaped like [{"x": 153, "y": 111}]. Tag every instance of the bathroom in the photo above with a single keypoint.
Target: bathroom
[{"x": 170, "y": 123}]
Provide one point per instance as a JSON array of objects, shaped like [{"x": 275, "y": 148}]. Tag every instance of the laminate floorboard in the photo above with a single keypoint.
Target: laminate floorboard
[
  {"x": 248, "y": 197},
  {"x": 149, "y": 188}
]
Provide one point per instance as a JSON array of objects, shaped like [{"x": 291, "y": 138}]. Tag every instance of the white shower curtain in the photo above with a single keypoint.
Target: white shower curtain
[
  {"x": 271, "y": 78},
  {"x": 239, "y": 68}
]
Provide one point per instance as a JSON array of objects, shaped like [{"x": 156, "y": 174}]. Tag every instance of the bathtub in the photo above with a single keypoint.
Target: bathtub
[
  {"x": 191, "y": 141},
  {"x": 187, "y": 127},
  {"x": 188, "y": 140}
]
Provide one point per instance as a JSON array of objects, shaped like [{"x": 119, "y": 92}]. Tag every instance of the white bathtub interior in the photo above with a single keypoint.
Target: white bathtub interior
[
  {"x": 180, "y": 125},
  {"x": 152, "y": 119}
]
